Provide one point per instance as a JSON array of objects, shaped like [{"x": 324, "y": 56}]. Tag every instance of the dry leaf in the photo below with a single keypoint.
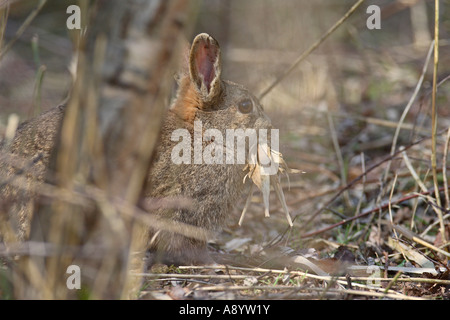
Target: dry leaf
[{"x": 410, "y": 253}]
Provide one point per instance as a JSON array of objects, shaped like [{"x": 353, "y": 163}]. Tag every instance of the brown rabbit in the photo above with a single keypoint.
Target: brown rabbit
[
  {"x": 215, "y": 188},
  {"x": 202, "y": 98}
]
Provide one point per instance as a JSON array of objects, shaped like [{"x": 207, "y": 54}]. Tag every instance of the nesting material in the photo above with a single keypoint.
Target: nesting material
[{"x": 262, "y": 180}]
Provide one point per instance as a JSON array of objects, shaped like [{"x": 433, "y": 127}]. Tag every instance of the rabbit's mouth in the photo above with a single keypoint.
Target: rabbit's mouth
[{"x": 258, "y": 173}]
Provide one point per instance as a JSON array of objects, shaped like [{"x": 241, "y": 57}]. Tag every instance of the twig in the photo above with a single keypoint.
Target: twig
[
  {"x": 47, "y": 249},
  {"x": 393, "y": 295},
  {"x": 393, "y": 281},
  {"x": 434, "y": 119},
  {"x": 444, "y": 171},
  {"x": 22, "y": 28},
  {"x": 190, "y": 276},
  {"x": 4, "y": 13},
  {"x": 436, "y": 208},
  {"x": 376, "y": 121},
  {"x": 390, "y": 202},
  {"x": 432, "y": 225},
  {"x": 364, "y": 180},
  {"x": 410, "y": 235},
  {"x": 86, "y": 196},
  {"x": 412, "y": 171},
  {"x": 312, "y": 48},
  {"x": 339, "y": 157},
  {"x": 408, "y": 106},
  {"x": 325, "y": 278},
  {"x": 340, "y": 280}
]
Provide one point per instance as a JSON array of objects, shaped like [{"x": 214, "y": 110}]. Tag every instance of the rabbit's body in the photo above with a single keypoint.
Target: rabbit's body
[
  {"x": 29, "y": 157},
  {"x": 213, "y": 188}
]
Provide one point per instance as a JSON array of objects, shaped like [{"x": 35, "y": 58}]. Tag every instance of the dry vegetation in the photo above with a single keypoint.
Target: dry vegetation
[{"x": 359, "y": 116}]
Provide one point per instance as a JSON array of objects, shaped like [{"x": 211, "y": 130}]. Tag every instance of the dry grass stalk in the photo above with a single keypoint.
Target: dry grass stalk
[
  {"x": 444, "y": 171},
  {"x": 342, "y": 282},
  {"x": 434, "y": 121},
  {"x": 313, "y": 47},
  {"x": 408, "y": 107},
  {"x": 266, "y": 271},
  {"x": 4, "y": 13},
  {"x": 23, "y": 27},
  {"x": 410, "y": 235}
]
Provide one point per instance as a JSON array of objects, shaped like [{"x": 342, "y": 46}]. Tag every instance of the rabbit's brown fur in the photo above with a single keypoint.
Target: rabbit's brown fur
[
  {"x": 28, "y": 157},
  {"x": 213, "y": 188}
]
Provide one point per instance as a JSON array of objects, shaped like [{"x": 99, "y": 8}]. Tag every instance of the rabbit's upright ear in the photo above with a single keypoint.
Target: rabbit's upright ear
[{"x": 205, "y": 66}]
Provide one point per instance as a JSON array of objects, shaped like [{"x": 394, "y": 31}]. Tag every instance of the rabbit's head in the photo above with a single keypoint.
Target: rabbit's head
[{"x": 218, "y": 103}]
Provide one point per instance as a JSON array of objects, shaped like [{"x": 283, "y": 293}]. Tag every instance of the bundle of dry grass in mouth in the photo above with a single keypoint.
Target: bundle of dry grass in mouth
[{"x": 263, "y": 181}]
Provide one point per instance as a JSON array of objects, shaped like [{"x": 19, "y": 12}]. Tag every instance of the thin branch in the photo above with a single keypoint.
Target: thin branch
[
  {"x": 408, "y": 107},
  {"x": 444, "y": 171},
  {"x": 340, "y": 159},
  {"x": 434, "y": 119},
  {"x": 22, "y": 28},
  {"x": 311, "y": 48},
  {"x": 411, "y": 236}
]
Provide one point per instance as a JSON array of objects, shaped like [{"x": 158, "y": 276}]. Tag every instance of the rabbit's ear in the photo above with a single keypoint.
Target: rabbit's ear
[{"x": 205, "y": 66}]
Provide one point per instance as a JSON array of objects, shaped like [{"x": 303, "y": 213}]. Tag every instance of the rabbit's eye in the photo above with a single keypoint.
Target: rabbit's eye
[{"x": 245, "y": 106}]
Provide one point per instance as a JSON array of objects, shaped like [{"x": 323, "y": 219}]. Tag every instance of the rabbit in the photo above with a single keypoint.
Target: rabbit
[
  {"x": 214, "y": 188},
  {"x": 203, "y": 101}
]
